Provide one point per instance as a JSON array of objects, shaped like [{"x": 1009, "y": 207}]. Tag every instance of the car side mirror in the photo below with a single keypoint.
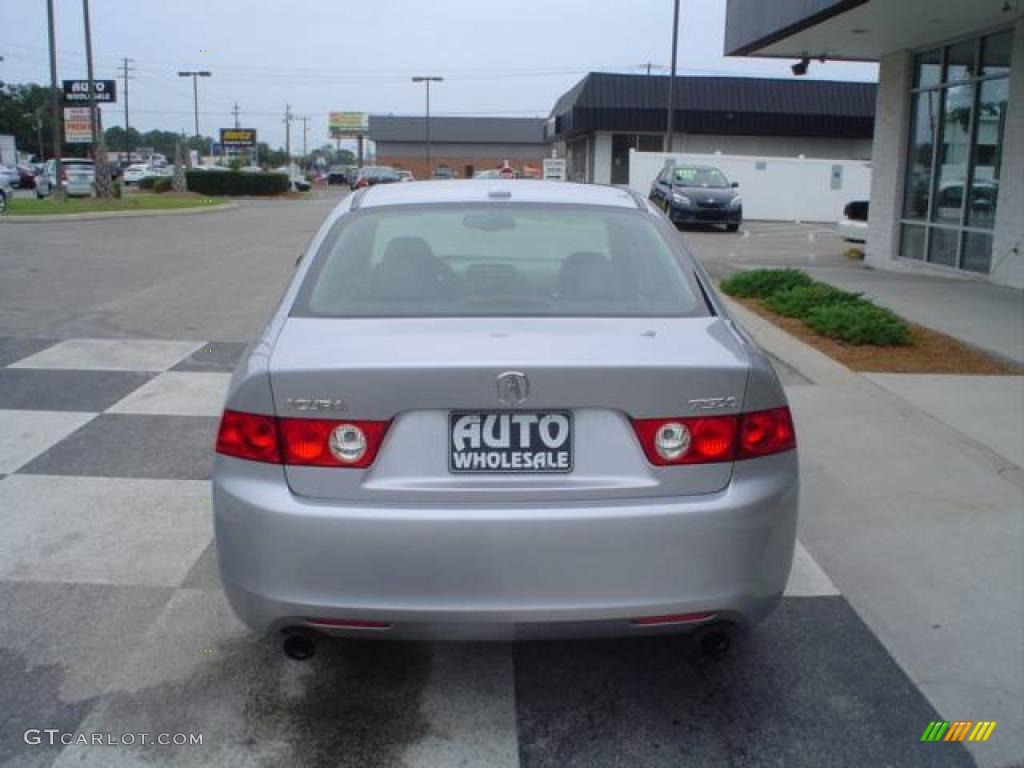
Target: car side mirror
[{"x": 735, "y": 184}]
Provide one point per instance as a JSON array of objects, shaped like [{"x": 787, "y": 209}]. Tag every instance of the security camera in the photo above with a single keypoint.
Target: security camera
[{"x": 800, "y": 68}]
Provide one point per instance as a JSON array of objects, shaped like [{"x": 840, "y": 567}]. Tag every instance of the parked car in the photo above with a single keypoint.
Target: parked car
[
  {"x": 6, "y": 194},
  {"x": 341, "y": 174},
  {"x": 698, "y": 194},
  {"x": 444, "y": 172},
  {"x": 136, "y": 172},
  {"x": 79, "y": 177},
  {"x": 546, "y": 426},
  {"x": 26, "y": 177},
  {"x": 406, "y": 175},
  {"x": 490, "y": 173},
  {"x": 376, "y": 174},
  {"x": 854, "y": 225}
]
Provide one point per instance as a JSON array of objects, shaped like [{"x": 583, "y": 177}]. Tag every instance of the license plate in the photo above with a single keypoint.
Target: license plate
[{"x": 525, "y": 442}]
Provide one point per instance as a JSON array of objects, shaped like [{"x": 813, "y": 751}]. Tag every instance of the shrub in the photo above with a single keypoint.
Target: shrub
[
  {"x": 147, "y": 182},
  {"x": 762, "y": 283},
  {"x": 859, "y": 322},
  {"x": 163, "y": 184},
  {"x": 799, "y": 301},
  {"x": 216, "y": 183},
  {"x": 118, "y": 189}
]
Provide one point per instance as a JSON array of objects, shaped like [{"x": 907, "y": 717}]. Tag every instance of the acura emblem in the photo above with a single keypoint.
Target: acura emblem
[{"x": 513, "y": 387}]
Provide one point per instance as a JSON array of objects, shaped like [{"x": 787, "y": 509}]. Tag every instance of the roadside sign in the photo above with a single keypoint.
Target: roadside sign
[
  {"x": 77, "y": 91},
  {"x": 77, "y": 125},
  {"x": 554, "y": 168},
  {"x": 342, "y": 124},
  {"x": 238, "y": 138}
]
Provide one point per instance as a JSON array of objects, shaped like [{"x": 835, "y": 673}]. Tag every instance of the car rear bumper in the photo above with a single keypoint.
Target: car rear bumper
[{"x": 504, "y": 572}]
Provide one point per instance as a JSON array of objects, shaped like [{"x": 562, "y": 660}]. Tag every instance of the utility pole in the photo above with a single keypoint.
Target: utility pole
[
  {"x": 58, "y": 124},
  {"x": 288, "y": 134},
  {"x": 99, "y": 155},
  {"x": 195, "y": 90},
  {"x": 236, "y": 112},
  {"x": 672, "y": 80},
  {"x": 305, "y": 120},
  {"x": 428, "y": 79},
  {"x": 125, "y": 69}
]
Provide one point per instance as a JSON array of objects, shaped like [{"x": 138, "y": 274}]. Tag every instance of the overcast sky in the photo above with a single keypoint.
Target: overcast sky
[{"x": 508, "y": 58}]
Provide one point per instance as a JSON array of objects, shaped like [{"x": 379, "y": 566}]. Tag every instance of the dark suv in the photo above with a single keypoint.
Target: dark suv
[{"x": 698, "y": 194}]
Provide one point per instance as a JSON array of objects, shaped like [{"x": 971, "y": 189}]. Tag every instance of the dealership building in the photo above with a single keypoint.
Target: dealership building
[
  {"x": 947, "y": 191},
  {"x": 596, "y": 123},
  {"x": 463, "y": 144}
]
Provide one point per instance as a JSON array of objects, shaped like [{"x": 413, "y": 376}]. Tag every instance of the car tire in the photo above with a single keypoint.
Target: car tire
[
  {"x": 3, "y": 203},
  {"x": 732, "y": 227}
]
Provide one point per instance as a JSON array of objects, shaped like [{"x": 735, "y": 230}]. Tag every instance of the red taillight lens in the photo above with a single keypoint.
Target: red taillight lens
[
  {"x": 715, "y": 438},
  {"x": 300, "y": 442},
  {"x": 362, "y": 183},
  {"x": 766, "y": 432},
  {"x": 248, "y": 436},
  {"x": 331, "y": 443},
  {"x": 706, "y": 439}
]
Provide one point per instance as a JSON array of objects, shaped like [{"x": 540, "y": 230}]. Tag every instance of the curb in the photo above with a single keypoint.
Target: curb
[{"x": 96, "y": 215}]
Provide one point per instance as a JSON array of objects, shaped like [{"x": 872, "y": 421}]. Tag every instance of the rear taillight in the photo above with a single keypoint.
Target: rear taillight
[
  {"x": 63, "y": 174},
  {"x": 300, "y": 442},
  {"x": 249, "y": 436},
  {"x": 331, "y": 443},
  {"x": 766, "y": 432},
  {"x": 706, "y": 440},
  {"x": 362, "y": 183}
]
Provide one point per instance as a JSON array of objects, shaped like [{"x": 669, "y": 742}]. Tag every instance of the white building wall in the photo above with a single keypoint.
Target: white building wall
[
  {"x": 774, "y": 146},
  {"x": 889, "y": 153},
  {"x": 1008, "y": 246},
  {"x": 602, "y": 158}
]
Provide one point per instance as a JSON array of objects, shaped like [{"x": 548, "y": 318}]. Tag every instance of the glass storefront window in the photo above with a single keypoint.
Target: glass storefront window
[
  {"x": 951, "y": 165},
  {"x": 928, "y": 68},
  {"x": 987, "y": 153},
  {"x": 925, "y": 113},
  {"x": 954, "y": 152}
]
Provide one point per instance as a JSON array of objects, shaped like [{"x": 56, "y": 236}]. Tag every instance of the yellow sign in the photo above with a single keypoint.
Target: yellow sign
[{"x": 341, "y": 124}]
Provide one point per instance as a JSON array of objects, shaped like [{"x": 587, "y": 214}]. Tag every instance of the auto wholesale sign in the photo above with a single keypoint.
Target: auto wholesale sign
[
  {"x": 77, "y": 91},
  {"x": 77, "y": 125},
  {"x": 342, "y": 124},
  {"x": 238, "y": 138}
]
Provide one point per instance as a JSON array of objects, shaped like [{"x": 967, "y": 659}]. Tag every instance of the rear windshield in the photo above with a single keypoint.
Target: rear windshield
[{"x": 520, "y": 261}]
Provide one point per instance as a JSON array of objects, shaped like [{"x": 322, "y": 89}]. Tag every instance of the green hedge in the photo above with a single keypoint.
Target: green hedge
[
  {"x": 829, "y": 311},
  {"x": 147, "y": 182},
  {"x": 859, "y": 322},
  {"x": 163, "y": 184},
  {"x": 762, "y": 283},
  {"x": 800, "y": 301},
  {"x": 219, "y": 183}
]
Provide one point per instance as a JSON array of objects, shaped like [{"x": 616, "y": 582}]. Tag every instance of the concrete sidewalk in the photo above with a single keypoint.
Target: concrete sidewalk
[
  {"x": 978, "y": 313},
  {"x": 921, "y": 525}
]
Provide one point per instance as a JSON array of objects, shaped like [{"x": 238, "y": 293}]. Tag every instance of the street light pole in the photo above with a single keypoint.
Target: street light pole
[
  {"x": 428, "y": 79},
  {"x": 55, "y": 106},
  {"x": 672, "y": 80},
  {"x": 195, "y": 90}
]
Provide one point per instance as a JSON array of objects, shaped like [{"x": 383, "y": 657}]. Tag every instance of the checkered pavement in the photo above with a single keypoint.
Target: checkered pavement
[{"x": 113, "y": 621}]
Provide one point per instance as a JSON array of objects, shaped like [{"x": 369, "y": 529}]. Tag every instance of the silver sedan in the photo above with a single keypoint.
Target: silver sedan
[{"x": 499, "y": 410}]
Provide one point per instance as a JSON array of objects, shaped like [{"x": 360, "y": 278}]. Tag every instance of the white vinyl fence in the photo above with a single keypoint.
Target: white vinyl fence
[{"x": 773, "y": 188}]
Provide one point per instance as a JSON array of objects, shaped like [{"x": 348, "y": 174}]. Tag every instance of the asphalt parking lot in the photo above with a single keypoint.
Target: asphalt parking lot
[{"x": 116, "y": 341}]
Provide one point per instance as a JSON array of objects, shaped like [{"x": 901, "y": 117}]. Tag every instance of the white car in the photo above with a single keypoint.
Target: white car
[
  {"x": 853, "y": 227},
  {"x": 79, "y": 176},
  {"x": 136, "y": 172},
  {"x": 9, "y": 175},
  {"x": 6, "y": 193}
]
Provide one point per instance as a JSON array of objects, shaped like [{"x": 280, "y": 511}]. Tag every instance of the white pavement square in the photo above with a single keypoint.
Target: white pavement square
[
  {"x": 112, "y": 354},
  {"x": 807, "y": 579},
  {"x": 103, "y": 530},
  {"x": 26, "y": 434},
  {"x": 178, "y": 394}
]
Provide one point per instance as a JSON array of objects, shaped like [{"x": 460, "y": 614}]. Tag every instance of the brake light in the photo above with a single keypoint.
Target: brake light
[
  {"x": 249, "y": 436},
  {"x": 362, "y": 183},
  {"x": 63, "y": 174},
  {"x": 331, "y": 443},
  {"x": 766, "y": 432},
  {"x": 707, "y": 440},
  {"x": 300, "y": 442}
]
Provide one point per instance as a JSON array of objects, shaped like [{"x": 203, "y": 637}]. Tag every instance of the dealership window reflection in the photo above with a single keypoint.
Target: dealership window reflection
[{"x": 957, "y": 121}]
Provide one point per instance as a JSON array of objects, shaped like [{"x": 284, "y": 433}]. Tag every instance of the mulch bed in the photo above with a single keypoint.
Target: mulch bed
[{"x": 929, "y": 351}]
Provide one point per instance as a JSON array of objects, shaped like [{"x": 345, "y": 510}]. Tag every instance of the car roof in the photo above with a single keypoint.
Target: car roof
[{"x": 501, "y": 190}]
